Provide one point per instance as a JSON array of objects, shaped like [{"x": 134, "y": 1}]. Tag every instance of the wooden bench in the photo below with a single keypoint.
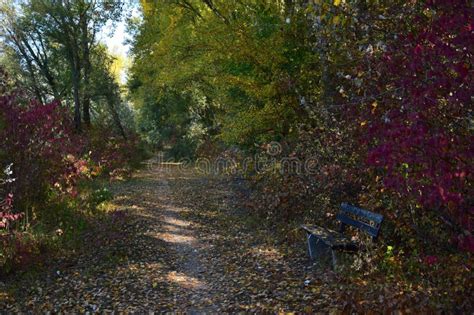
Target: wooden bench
[{"x": 323, "y": 241}]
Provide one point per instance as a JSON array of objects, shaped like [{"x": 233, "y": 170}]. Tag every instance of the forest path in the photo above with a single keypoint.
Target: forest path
[{"x": 180, "y": 242}]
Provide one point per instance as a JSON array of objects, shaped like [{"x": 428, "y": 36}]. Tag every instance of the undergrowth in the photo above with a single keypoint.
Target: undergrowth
[{"x": 58, "y": 229}]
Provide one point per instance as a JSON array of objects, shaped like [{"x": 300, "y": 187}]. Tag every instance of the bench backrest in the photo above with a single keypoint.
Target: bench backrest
[{"x": 361, "y": 219}]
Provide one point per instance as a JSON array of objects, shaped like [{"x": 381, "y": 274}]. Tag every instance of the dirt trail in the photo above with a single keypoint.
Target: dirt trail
[
  {"x": 182, "y": 245},
  {"x": 179, "y": 234}
]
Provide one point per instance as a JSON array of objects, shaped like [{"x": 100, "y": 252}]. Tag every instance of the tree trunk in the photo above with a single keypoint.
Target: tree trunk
[
  {"x": 87, "y": 70},
  {"x": 86, "y": 110},
  {"x": 116, "y": 117},
  {"x": 76, "y": 87}
]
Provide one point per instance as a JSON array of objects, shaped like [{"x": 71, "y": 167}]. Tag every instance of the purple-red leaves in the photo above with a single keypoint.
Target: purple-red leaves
[{"x": 422, "y": 141}]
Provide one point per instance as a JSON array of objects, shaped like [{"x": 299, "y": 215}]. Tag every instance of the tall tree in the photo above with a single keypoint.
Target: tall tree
[{"x": 38, "y": 29}]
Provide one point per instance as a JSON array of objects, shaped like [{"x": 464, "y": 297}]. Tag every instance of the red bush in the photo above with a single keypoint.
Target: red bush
[
  {"x": 421, "y": 135},
  {"x": 36, "y": 138}
]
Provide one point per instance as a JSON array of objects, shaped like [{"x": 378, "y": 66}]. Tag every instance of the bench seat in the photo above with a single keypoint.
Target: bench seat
[{"x": 331, "y": 238}]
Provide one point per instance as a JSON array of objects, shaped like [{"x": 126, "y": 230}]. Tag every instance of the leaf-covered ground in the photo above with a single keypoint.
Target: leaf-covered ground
[{"x": 180, "y": 241}]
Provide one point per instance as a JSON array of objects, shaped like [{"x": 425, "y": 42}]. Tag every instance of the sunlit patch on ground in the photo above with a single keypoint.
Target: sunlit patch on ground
[
  {"x": 267, "y": 253},
  {"x": 185, "y": 281},
  {"x": 175, "y": 238}
]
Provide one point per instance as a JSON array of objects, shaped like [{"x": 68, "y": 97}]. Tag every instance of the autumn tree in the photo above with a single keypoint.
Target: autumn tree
[{"x": 47, "y": 35}]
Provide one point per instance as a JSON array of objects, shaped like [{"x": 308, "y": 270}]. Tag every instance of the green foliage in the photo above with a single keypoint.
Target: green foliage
[
  {"x": 241, "y": 64},
  {"x": 51, "y": 50},
  {"x": 100, "y": 195}
]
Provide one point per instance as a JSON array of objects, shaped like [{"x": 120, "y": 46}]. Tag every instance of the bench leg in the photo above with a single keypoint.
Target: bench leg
[
  {"x": 318, "y": 251},
  {"x": 334, "y": 259},
  {"x": 311, "y": 246}
]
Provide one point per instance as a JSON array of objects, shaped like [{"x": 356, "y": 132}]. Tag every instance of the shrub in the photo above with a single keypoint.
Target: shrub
[
  {"x": 7, "y": 218},
  {"x": 420, "y": 134},
  {"x": 36, "y": 138}
]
